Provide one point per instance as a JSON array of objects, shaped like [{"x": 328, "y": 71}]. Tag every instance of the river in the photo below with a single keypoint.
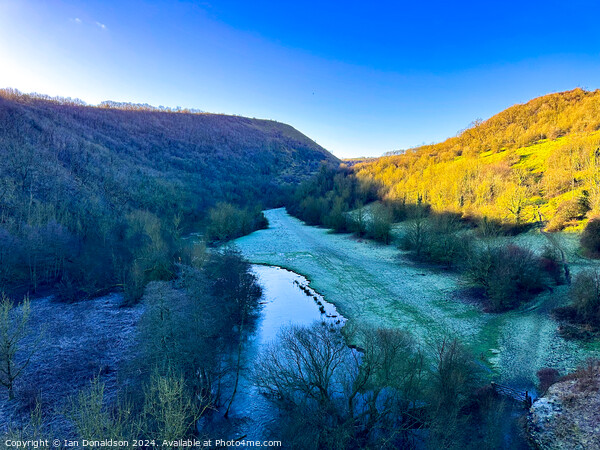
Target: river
[{"x": 287, "y": 299}]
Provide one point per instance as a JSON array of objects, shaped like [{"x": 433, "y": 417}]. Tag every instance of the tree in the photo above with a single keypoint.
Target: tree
[
  {"x": 14, "y": 327},
  {"x": 590, "y": 238},
  {"x": 169, "y": 412},
  {"x": 335, "y": 397},
  {"x": 509, "y": 274},
  {"x": 585, "y": 293},
  {"x": 94, "y": 421},
  {"x": 416, "y": 236},
  {"x": 454, "y": 377},
  {"x": 514, "y": 200},
  {"x": 380, "y": 227},
  {"x": 190, "y": 324}
]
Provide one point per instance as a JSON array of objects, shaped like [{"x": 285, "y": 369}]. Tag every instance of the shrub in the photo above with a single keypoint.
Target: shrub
[
  {"x": 133, "y": 286},
  {"x": 93, "y": 420},
  {"x": 334, "y": 398},
  {"x": 448, "y": 244},
  {"x": 415, "y": 238},
  {"x": 169, "y": 412},
  {"x": 189, "y": 324},
  {"x": 454, "y": 378},
  {"x": 488, "y": 228},
  {"x": 508, "y": 274},
  {"x": 337, "y": 218},
  {"x": 547, "y": 376},
  {"x": 227, "y": 222},
  {"x": 590, "y": 238},
  {"x": 68, "y": 291},
  {"x": 33, "y": 430},
  {"x": 440, "y": 239},
  {"x": 585, "y": 293},
  {"x": 552, "y": 263},
  {"x": 587, "y": 376},
  {"x": 581, "y": 319},
  {"x": 380, "y": 226},
  {"x": 14, "y": 329},
  {"x": 357, "y": 220}
]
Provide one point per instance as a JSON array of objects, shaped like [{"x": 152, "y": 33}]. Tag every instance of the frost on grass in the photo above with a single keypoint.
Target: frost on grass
[
  {"x": 371, "y": 284},
  {"x": 79, "y": 342}
]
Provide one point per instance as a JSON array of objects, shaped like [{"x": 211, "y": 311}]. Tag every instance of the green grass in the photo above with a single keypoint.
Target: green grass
[{"x": 373, "y": 284}]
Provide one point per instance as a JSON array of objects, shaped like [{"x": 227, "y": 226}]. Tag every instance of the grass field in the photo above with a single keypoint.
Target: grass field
[{"x": 375, "y": 284}]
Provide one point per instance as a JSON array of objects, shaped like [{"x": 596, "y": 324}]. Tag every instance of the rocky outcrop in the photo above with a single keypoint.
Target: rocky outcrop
[{"x": 568, "y": 415}]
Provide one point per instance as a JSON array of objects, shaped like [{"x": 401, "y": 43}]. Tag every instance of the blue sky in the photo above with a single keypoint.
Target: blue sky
[{"x": 359, "y": 78}]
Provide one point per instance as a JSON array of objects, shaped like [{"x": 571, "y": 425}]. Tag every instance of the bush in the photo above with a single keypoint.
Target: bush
[
  {"x": 169, "y": 412},
  {"x": 334, "y": 398},
  {"x": 552, "y": 263},
  {"x": 189, "y": 324},
  {"x": 337, "y": 218},
  {"x": 590, "y": 238},
  {"x": 509, "y": 275},
  {"x": 380, "y": 226},
  {"x": 585, "y": 293},
  {"x": 581, "y": 319},
  {"x": 68, "y": 291},
  {"x": 415, "y": 238},
  {"x": 14, "y": 330},
  {"x": 455, "y": 377},
  {"x": 93, "y": 420},
  {"x": 133, "y": 286},
  {"x": 440, "y": 239},
  {"x": 587, "y": 376},
  {"x": 547, "y": 376},
  {"x": 227, "y": 221},
  {"x": 33, "y": 430},
  {"x": 448, "y": 244},
  {"x": 488, "y": 228}
]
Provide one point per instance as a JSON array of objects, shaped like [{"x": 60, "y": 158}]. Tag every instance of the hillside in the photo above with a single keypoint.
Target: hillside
[
  {"x": 116, "y": 178},
  {"x": 533, "y": 162},
  {"x": 203, "y": 157}
]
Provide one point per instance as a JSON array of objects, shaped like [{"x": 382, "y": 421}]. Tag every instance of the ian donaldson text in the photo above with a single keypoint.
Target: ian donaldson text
[{"x": 183, "y": 443}]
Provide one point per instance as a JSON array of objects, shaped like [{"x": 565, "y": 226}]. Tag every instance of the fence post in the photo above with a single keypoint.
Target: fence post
[{"x": 528, "y": 401}]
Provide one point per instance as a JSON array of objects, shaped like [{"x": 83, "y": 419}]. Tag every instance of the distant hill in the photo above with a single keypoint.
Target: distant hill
[
  {"x": 538, "y": 161},
  {"x": 140, "y": 157},
  {"x": 76, "y": 177}
]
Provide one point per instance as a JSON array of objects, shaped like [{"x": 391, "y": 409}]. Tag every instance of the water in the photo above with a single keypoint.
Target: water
[{"x": 287, "y": 300}]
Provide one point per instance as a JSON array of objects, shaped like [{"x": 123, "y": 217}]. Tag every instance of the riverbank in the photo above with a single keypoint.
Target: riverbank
[
  {"x": 287, "y": 300},
  {"x": 375, "y": 284}
]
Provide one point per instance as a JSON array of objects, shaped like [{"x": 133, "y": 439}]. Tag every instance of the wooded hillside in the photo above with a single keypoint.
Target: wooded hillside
[
  {"x": 94, "y": 185},
  {"x": 538, "y": 161}
]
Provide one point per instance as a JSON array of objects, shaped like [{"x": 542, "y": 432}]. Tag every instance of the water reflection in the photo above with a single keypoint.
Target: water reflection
[{"x": 287, "y": 299}]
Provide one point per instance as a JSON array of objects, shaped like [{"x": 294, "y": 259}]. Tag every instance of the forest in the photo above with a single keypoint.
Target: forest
[{"x": 97, "y": 198}]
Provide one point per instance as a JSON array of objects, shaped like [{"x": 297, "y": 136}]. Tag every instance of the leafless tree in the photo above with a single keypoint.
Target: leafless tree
[{"x": 335, "y": 397}]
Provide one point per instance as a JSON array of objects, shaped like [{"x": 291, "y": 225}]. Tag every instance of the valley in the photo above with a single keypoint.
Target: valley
[
  {"x": 372, "y": 284},
  {"x": 181, "y": 274}
]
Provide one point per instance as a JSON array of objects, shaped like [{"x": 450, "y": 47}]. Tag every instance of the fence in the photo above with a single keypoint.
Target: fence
[{"x": 519, "y": 396}]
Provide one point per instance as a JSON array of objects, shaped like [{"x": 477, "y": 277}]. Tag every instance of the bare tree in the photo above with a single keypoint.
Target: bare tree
[
  {"x": 336, "y": 397},
  {"x": 452, "y": 381}
]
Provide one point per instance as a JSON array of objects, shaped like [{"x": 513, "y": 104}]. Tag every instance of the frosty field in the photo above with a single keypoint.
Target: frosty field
[{"x": 375, "y": 285}]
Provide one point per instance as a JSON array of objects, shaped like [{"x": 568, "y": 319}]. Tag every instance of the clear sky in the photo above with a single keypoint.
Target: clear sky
[{"x": 360, "y": 78}]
